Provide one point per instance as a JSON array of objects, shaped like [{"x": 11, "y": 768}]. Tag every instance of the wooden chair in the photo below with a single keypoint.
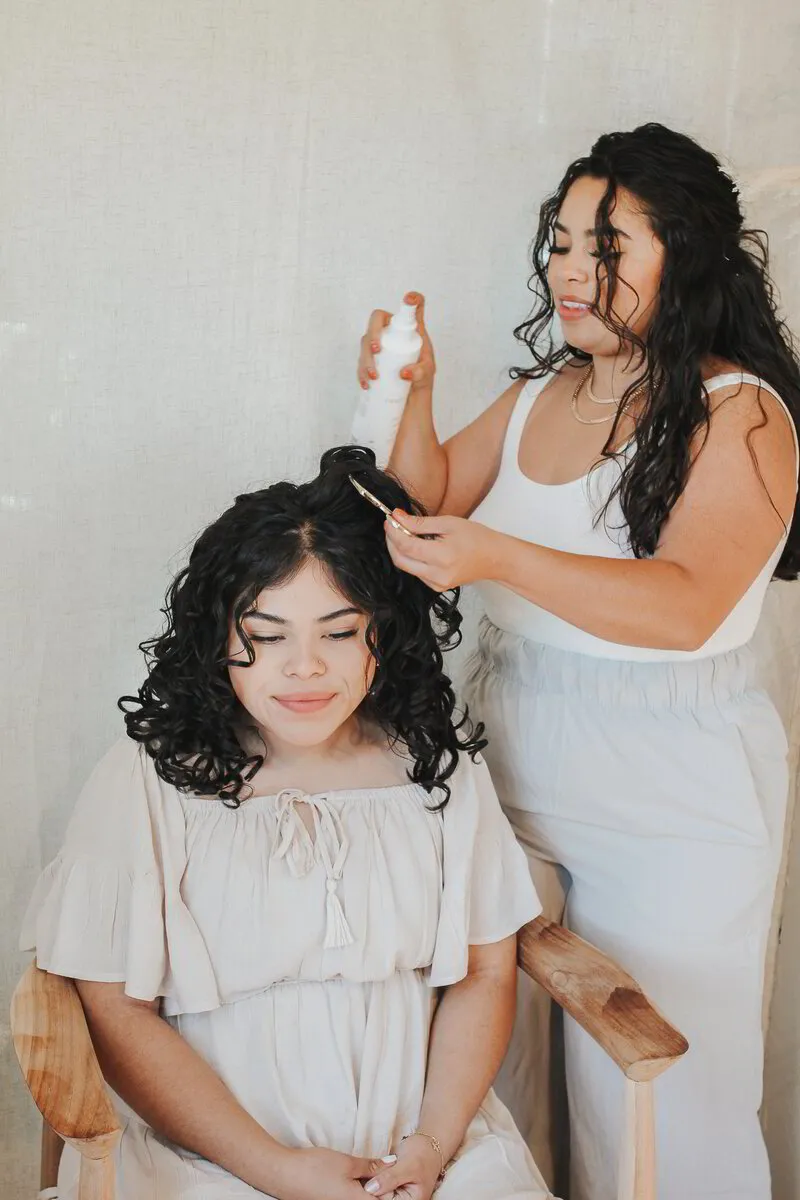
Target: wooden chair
[{"x": 58, "y": 1062}]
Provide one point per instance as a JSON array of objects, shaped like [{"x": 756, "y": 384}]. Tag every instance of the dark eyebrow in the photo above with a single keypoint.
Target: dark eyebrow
[
  {"x": 590, "y": 233},
  {"x": 614, "y": 230},
  {"x": 254, "y": 614},
  {"x": 341, "y": 612}
]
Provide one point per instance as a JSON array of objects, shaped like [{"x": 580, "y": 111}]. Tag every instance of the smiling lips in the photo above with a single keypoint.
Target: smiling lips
[
  {"x": 571, "y": 308},
  {"x": 306, "y": 702}
]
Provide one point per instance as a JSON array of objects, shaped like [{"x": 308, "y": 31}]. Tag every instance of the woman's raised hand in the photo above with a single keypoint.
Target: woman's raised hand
[{"x": 422, "y": 372}]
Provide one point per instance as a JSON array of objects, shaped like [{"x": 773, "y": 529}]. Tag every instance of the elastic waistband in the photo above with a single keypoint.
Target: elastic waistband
[{"x": 671, "y": 683}]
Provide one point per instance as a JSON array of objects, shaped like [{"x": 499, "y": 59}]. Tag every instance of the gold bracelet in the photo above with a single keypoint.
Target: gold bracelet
[{"x": 434, "y": 1141}]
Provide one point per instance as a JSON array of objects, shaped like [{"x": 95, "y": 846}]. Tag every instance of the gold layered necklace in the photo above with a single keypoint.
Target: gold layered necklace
[
  {"x": 585, "y": 380},
  {"x": 597, "y": 399}
]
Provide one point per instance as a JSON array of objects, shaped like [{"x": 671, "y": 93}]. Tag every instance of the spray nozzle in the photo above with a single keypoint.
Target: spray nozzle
[{"x": 405, "y": 317}]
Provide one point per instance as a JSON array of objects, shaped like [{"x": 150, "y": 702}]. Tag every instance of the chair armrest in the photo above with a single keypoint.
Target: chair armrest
[
  {"x": 604, "y": 1000},
  {"x": 59, "y": 1065}
]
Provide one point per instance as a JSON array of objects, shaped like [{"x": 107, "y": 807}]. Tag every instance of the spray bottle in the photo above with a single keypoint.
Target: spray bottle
[{"x": 380, "y": 409}]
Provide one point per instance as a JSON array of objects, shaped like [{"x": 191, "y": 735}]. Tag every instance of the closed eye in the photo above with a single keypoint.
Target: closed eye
[{"x": 271, "y": 639}]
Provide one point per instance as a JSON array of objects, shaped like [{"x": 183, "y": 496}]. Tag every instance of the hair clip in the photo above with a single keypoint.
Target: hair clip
[{"x": 362, "y": 491}]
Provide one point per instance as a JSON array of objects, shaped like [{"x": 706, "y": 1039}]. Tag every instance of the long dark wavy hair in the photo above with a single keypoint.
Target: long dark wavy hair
[
  {"x": 715, "y": 299},
  {"x": 186, "y": 714}
]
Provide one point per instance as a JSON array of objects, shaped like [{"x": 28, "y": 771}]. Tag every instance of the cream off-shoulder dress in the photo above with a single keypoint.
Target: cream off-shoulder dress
[{"x": 300, "y": 958}]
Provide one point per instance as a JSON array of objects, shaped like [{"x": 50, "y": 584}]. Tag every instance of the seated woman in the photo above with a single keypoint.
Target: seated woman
[{"x": 289, "y": 898}]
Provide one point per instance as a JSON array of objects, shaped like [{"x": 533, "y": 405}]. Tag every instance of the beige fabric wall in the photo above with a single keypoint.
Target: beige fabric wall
[{"x": 200, "y": 203}]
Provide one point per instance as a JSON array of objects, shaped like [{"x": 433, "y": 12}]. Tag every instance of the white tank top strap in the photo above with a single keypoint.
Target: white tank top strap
[
  {"x": 738, "y": 377},
  {"x": 519, "y": 415}
]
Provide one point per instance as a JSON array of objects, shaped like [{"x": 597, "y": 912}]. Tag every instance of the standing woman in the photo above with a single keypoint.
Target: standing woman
[{"x": 622, "y": 508}]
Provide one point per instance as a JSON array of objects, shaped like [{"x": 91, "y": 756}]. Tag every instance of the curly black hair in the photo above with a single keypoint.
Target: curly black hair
[
  {"x": 186, "y": 713},
  {"x": 715, "y": 299}
]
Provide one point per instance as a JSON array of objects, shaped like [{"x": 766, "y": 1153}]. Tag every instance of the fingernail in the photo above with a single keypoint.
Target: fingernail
[
  {"x": 389, "y": 1158},
  {"x": 373, "y": 374},
  {"x": 372, "y": 1187},
  {"x": 375, "y": 346}
]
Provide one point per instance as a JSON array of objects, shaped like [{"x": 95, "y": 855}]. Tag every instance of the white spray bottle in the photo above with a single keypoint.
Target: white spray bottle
[{"x": 380, "y": 409}]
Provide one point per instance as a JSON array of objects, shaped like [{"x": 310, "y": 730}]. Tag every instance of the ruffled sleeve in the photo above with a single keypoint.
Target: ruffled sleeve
[
  {"x": 488, "y": 893},
  {"x": 108, "y": 908}
]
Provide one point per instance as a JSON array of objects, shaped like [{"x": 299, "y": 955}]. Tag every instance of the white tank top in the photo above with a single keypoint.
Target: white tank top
[{"x": 563, "y": 517}]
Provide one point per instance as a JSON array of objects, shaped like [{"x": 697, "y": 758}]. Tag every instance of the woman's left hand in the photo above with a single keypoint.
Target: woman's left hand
[
  {"x": 414, "y": 1175},
  {"x": 459, "y": 552}
]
